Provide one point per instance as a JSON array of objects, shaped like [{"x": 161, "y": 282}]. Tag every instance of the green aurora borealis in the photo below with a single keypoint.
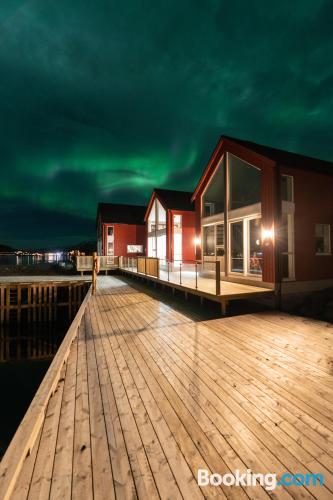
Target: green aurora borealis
[{"x": 103, "y": 100}]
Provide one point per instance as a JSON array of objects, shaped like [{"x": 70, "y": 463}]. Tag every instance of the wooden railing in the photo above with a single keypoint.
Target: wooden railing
[
  {"x": 27, "y": 432},
  {"x": 143, "y": 265},
  {"x": 106, "y": 263}
]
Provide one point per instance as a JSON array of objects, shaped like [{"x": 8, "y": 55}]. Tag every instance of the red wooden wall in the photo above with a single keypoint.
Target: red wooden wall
[
  {"x": 313, "y": 196},
  {"x": 125, "y": 234}
]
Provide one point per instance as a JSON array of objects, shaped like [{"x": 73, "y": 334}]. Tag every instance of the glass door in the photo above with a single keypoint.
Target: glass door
[
  {"x": 237, "y": 247},
  {"x": 254, "y": 247},
  {"x": 245, "y": 246},
  {"x": 110, "y": 241},
  {"x": 177, "y": 238}
]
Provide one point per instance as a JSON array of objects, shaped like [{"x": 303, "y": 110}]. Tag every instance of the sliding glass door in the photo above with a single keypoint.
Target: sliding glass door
[
  {"x": 245, "y": 246},
  {"x": 255, "y": 247},
  {"x": 237, "y": 247}
]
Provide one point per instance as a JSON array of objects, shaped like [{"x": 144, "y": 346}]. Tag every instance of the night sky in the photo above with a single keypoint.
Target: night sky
[{"x": 104, "y": 100}]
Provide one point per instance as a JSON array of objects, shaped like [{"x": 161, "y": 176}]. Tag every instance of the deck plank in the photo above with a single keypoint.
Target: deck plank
[{"x": 82, "y": 480}]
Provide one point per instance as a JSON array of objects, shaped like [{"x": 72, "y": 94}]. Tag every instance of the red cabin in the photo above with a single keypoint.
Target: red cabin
[
  {"x": 121, "y": 229},
  {"x": 170, "y": 220},
  {"x": 266, "y": 214}
]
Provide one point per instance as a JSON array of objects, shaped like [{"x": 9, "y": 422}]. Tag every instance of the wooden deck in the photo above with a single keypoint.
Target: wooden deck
[
  {"x": 149, "y": 395},
  {"x": 204, "y": 286}
]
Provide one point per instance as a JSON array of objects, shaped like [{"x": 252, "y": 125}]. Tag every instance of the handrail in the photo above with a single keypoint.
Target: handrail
[{"x": 27, "y": 432}]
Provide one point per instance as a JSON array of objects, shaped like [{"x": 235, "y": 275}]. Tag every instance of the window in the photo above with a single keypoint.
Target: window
[
  {"x": 323, "y": 239},
  {"x": 208, "y": 209},
  {"x": 287, "y": 188},
  {"x": 208, "y": 241},
  {"x": 245, "y": 182},
  {"x": 134, "y": 249},
  {"x": 220, "y": 235},
  {"x": 214, "y": 196},
  {"x": 110, "y": 231}
]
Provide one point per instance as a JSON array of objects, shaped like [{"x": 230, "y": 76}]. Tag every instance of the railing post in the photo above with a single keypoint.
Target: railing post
[
  {"x": 180, "y": 273},
  {"x": 158, "y": 268},
  {"x": 168, "y": 270},
  {"x": 218, "y": 277},
  {"x": 94, "y": 272},
  {"x": 196, "y": 275},
  {"x": 145, "y": 266}
]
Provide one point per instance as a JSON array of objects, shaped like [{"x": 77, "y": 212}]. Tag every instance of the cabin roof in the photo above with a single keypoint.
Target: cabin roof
[
  {"x": 119, "y": 213},
  {"x": 171, "y": 200},
  {"x": 175, "y": 200},
  {"x": 275, "y": 155},
  {"x": 286, "y": 158}
]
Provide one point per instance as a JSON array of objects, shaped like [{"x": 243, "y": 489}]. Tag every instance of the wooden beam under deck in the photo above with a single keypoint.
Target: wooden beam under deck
[{"x": 150, "y": 394}]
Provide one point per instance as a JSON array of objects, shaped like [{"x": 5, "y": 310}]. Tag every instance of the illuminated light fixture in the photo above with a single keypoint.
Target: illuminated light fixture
[
  {"x": 197, "y": 241},
  {"x": 267, "y": 234}
]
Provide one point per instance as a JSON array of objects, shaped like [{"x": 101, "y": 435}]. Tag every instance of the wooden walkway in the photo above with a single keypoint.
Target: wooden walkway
[{"x": 149, "y": 395}]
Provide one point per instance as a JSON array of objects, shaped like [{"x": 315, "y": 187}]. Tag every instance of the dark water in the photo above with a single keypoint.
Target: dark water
[{"x": 26, "y": 351}]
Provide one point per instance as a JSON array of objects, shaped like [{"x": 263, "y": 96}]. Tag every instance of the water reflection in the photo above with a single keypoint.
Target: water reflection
[
  {"x": 12, "y": 259},
  {"x": 30, "y": 341},
  {"x": 26, "y": 351}
]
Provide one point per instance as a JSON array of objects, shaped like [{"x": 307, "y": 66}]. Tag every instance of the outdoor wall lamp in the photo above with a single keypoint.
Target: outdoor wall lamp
[
  {"x": 197, "y": 241},
  {"x": 267, "y": 235}
]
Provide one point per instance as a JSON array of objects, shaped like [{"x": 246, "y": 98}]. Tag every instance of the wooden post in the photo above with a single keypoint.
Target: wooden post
[
  {"x": 19, "y": 303},
  {"x": 224, "y": 304},
  {"x": 29, "y": 292},
  {"x": 7, "y": 302},
  {"x": 2, "y": 304},
  {"x": 70, "y": 301},
  {"x": 55, "y": 301},
  {"x": 218, "y": 277},
  {"x": 94, "y": 273}
]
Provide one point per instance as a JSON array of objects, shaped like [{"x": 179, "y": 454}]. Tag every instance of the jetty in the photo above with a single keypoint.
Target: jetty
[{"x": 143, "y": 393}]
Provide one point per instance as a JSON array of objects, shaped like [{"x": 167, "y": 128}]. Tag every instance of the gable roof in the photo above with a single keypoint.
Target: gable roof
[
  {"x": 286, "y": 158},
  {"x": 175, "y": 200},
  {"x": 171, "y": 200},
  {"x": 119, "y": 213},
  {"x": 275, "y": 155}
]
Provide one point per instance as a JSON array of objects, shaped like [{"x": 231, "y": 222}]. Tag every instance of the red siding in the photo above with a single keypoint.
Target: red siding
[
  {"x": 313, "y": 196},
  {"x": 125, "y": 234}
]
